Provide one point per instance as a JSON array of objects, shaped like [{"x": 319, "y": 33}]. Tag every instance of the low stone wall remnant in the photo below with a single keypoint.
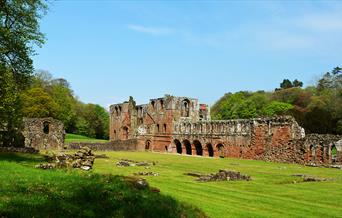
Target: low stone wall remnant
[
  {"x": 83, "y": 159},
  {"x": 29, "y": 150}
]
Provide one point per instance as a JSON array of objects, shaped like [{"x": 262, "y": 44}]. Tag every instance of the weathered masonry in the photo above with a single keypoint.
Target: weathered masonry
[
  {"x": 182, "y": 125},
  {"x": 43, "y": 133}
]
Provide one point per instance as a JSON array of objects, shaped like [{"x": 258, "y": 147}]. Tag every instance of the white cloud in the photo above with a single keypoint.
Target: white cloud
[
  {"x": 151, "y": 30},
  {"x": 322, "y": 22}
]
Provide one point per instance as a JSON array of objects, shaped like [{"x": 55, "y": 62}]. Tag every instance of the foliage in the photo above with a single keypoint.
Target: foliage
[
  {"x": 38, "y": 103},
  {"x": 29, "y": 192},
  {"x": 50, "y": 97},
  {"x": 317, "y": 108},
  {"x": 10, "y": 118},
  {"x": 286, "y": 84},
  {"x": 19, "y": 33},
  {"x": 277, "y": 108}
]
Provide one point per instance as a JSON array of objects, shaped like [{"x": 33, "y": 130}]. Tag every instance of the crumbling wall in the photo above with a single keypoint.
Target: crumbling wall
[
  {"x": 118, "y": 145},
  {"x": 241, "y": 138},
  {"x": 43, "y": 133},
  {"x": 317, "y": 149}
]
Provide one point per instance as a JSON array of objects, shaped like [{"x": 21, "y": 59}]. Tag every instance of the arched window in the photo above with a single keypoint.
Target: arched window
[
  {"x": 125, "y": 132},
  {"x": 116, "y": 111},
  {"x": 198, "y": 147},
  {"x": 210, "y": 150},
  {"x": 164, "y": 127},
  {"x": 178, "y": 146},
  {"x": 161, "y": 104},
  {"x": 46, "y": 127},
  {"x": 158, "y": 128},
  {"x": 220, "y": 149},
  {"x": 115, "y": 136},
  {"x": 187, "y": 146},
  {"x": 147, "y": 145},
  {"x": 185, "y": 111}
]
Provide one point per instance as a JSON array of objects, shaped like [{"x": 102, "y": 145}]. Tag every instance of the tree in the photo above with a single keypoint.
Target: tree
[
  {"x": 277, "y": 108},
  {"x": 286, "y": 84},
  {"x": 19, "y": 33},
  {"x": 9, "y": 108},
  {"x": 297, "y": 83},
  {"x": 38, "y": 103}
]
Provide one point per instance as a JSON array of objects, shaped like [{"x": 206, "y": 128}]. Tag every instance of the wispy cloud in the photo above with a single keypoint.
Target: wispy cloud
[
  {"x": 322, "y": 22},
  {"x": 151, "y": 30}
]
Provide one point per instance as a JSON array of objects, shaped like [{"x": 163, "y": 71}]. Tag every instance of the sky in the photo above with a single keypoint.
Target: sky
[{"x": 110, "y": 50}]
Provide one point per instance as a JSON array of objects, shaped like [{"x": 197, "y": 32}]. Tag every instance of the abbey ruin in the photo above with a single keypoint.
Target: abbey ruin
[{"x": 183, "y": 125}]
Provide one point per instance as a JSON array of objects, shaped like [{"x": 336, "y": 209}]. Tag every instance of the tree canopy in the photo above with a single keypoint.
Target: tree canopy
[{"x": 317, "y": 108}]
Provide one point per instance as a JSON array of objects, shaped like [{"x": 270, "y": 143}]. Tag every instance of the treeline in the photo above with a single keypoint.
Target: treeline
[
  {"x": 49, "y": 97},
  {"x": 316, "y": 108}
]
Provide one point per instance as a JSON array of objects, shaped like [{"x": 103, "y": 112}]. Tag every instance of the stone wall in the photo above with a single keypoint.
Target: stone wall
[
  {"x": 153, "y": 122},
  {"x": 317, "y": 149},
  {"x": 241, "y": 138},
  {"x": 182, "y": 125},
  {"x": 118, "y": 145},
  {"x": 43, "y": 133}
]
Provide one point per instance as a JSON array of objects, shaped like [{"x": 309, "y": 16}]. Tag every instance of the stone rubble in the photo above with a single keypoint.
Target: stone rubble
[
  {"x": 307, "y": 178},
  {"x": 128, "y": 163},
  {"x": 29, "y": 150},
  {"x": 83, "y": 159},
  {"x": 222, "y": 175},
  {"x": 146, "y": 174}
]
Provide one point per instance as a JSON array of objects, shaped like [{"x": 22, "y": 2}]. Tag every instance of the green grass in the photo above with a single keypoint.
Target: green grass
[
  {"x": 271, "y": 193},
  {"x": 29, "y": 192},
  {"x": 69, "y": 138}
]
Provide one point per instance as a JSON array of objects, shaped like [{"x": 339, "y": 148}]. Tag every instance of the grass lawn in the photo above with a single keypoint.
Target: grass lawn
[
  {"x": 29, "y": 192},
  {"x": 80, "y": 138},
  {"x": 271, "y": 193}
]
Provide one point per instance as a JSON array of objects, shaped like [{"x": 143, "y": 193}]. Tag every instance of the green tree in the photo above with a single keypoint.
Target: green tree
[
  {"x": 286, "y": 84},
  {"x": 277, "y": 108},
  {"x": 19, "y": 33},
  {"x": 10, "y": 118},
  {"x": 297, "y": 83},
  {"x": 38, "y": 103}
]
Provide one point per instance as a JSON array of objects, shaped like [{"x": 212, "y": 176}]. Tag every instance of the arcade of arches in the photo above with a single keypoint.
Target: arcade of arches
[{"x": 196, "y": 148}]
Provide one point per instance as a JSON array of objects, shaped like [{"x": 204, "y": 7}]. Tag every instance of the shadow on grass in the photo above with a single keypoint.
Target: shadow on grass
[
  {"x": 21, "y": 157},
  {"x": 89, "y": 195}
]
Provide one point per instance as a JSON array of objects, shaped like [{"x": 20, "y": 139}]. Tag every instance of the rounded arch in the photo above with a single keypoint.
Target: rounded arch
[
  {"x": 125, "y": 132},
  {"x": 210, "y": 150},
  {"x": 178, "y": 146},
  {"x": 147, "y": 145},
  {"x": 185, "y": 110},
  {"x": 187, "y": 146},
  {"x": 220, "y": 149},
  {"x": 198, "y": 147},
  {"x": 333, "y": 152},
  {"x": 46, "y": 127}
]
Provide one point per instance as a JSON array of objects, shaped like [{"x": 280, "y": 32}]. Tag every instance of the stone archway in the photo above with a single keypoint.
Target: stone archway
[
  {"x": 198, "y": 147},
  {"x": 125, "y": 133},
  {"x": 210, "y": 150},
  {"x": 147, "y": 145},
  {"x": 178, "y": 146},
  {"x": 220, "y": 150},
  {"x": 187, "y": 146}
]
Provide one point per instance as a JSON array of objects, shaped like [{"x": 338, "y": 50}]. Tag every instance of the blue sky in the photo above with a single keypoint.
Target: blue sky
[{"x": 109, "y": 50}]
